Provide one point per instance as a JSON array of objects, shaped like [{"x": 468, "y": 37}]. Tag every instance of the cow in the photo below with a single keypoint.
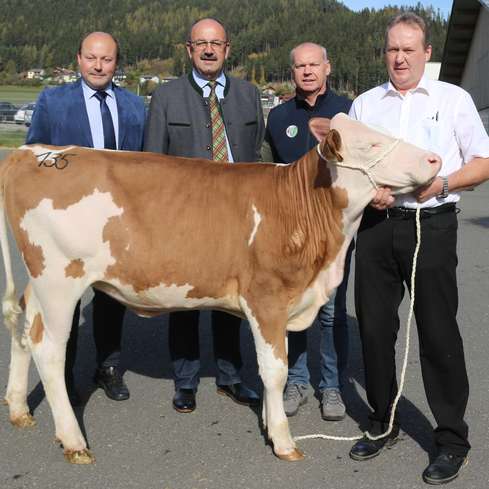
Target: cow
[{"x": 158, "y": 233}]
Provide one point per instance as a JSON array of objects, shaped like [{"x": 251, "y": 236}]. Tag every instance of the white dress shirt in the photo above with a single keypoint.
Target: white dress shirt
[
  {"x": 435, "y": 116},
  {"x": 95, "y": 116},
  {"x": 206, "y": 90}
]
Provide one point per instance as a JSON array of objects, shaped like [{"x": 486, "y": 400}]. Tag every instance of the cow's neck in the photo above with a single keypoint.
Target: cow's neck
[{"x": 330, "y": 206}]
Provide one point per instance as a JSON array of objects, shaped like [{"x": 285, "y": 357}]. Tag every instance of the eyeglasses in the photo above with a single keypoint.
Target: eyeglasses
[{"x": 214, "y": 44}]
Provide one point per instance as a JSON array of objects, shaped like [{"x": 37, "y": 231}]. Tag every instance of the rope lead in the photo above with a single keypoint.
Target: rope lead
[{"x": 405, "y": 361}]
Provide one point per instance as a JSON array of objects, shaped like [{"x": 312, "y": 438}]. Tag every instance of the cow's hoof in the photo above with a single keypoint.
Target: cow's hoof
[
  {"x": 79, "y": 457},
  {"x": 24, "y": 421},
  {"x": 293, "y": 456}
]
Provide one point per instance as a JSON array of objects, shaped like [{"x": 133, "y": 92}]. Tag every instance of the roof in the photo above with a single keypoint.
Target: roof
[{"x": 461, "y": 27}]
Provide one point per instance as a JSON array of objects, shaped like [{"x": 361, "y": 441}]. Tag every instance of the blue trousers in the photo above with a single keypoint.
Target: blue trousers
[
  {"x": 333, "y": 345},
  {"x": 183, "y": 339}
]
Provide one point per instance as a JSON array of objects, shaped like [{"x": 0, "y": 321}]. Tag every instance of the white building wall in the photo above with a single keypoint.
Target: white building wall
[{"x": 476, "y": 73}]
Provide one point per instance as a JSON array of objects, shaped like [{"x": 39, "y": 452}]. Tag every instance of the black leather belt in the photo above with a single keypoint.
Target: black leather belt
[{"x": 406, "y": 213}]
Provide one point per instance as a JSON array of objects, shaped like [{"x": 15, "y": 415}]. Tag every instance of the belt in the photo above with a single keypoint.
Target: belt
[{"x": 406, "y": 213}]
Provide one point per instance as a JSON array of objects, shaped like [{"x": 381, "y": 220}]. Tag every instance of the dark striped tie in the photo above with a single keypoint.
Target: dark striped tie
[
  {"x": 109, "y": 134},
  {"x": 219, "y": 147}
]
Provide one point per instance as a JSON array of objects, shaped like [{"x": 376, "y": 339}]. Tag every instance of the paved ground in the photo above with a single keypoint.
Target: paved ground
[{"x": 144, "y": 443}]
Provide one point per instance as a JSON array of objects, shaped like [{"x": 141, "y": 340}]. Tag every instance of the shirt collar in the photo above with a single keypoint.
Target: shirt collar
[
  {"x": 90, "y": 92},
  {"x": 202, "y": 82},
  {"x": 301, "y": 100},
  {"x": 423, "y": 87}
]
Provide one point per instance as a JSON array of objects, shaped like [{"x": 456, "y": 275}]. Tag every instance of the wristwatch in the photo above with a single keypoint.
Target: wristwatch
[{"x": 444, "y": 189}]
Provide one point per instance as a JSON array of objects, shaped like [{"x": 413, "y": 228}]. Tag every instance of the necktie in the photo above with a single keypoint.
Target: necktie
[
  {"x": 219, "y": 147},
  {"x": 109, "y": 134}
]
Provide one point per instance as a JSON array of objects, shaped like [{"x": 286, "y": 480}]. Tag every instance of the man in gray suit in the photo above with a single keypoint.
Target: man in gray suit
[{"x": 186, "y": 119}]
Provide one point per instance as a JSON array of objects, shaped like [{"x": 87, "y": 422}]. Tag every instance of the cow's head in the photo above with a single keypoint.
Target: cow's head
[{"x": 385, "y": 160}]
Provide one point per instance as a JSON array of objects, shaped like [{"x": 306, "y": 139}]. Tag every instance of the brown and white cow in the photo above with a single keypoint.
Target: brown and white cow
[{"x": 158, "y": 233}]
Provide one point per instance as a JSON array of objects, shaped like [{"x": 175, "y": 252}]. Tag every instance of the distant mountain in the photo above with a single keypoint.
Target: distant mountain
[{"x": 35, "y": 33}]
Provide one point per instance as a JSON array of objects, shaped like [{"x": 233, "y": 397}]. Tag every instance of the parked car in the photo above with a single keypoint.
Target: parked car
[
  {"x": 28, "y": 117},
  {"x": 20, "y": 116},
  {"x": 28, "y": 114},
  {"x": 7, "y": 111}
]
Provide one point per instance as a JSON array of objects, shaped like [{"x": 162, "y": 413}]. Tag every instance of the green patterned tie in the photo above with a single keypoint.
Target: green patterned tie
[{"x": 219, "y": 147}]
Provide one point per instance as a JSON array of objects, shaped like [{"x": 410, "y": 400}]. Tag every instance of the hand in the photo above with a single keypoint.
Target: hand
[
  {"x": 426, "y": 192},
  {"x": 382, "y": 199}
]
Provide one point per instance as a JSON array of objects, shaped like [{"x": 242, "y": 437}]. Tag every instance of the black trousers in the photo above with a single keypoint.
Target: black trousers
[
  {"x": 384, "y": 254},
  {"x": 108, "y": 317},
  {"x": 183, "y": 340}
]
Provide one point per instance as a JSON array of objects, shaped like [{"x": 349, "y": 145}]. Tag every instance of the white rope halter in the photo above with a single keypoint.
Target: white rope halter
[
  {"x": 408, "y": 322},
  {"x": 364, "y": 169}
]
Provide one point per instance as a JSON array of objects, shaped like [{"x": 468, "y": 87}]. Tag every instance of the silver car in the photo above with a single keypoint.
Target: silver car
[{"x": 24, "y": 114}]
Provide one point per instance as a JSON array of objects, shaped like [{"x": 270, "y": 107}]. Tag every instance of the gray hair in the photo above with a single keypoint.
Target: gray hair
[
  {"x": 411, "y": 19},
  {"x": 322, "y": 48}
]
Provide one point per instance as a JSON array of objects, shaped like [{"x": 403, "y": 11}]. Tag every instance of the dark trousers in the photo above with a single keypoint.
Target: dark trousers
[
  {"x": 384, "y": 254},
  {"x": 108, "y": 316},
  {"x": 183, "y": 339}
]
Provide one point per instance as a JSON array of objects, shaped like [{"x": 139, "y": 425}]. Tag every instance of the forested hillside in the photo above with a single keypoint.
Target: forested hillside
[{"x": 46, "y": 33}]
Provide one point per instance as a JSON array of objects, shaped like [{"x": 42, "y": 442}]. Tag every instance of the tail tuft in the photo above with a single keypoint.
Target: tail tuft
[{"x": 11, "y": 312}]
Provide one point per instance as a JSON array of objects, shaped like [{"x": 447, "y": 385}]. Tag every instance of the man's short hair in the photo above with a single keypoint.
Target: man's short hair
[
  {"x": 323, "y": 49},
  {"x": 117, "y": 46},
  {"x": 189, "y": 35},
  {"x": 413, "y": 20}
]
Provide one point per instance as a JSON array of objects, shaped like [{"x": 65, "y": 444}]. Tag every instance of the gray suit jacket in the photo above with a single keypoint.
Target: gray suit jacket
[{"x": 179, "y": 120}]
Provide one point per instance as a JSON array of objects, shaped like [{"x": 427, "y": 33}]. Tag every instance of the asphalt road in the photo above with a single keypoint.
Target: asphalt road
[{"x": 144, "y": 443}]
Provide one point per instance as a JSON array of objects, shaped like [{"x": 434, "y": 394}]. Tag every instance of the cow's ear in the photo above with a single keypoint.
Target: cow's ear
[
  {"x": 331, "y": 146},
  {"x": 319, "y": 126}
]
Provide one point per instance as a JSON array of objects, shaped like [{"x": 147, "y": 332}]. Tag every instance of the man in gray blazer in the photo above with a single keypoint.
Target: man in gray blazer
[{"x": 180, "y": 124}]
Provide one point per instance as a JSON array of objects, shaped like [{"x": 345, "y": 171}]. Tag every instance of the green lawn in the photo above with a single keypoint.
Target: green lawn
[
  {"x": 19, "y": 95},
  {"x": 12, "y": 139}
]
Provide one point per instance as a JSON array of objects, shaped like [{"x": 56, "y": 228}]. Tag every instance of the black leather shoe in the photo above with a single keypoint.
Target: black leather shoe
[
  {"x": 444, "y": 468},
  {"x": 240, "y": 394},
  {"x": 184, "y": 400},
  {"x": 110, "y": 380},
  {"x": 365, "y": 449}
]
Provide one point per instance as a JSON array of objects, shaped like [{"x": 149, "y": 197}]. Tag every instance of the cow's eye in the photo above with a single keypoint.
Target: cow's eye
[{"x": 375, "y": 145}]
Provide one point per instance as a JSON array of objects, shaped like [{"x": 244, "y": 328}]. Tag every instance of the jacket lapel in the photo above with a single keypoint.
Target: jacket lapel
[
  {"x": 122, "y": 114},
  {"x": 81, "y": 115}
]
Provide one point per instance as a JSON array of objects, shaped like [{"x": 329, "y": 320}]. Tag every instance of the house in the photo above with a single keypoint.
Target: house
[
  {"x": 119, "y": 77},
  {"x": 36, "y": 74},
  {"x": 148, "y": 78},
  {"x": 64, "y": 75},
  {"x": 466, "y": 55}
]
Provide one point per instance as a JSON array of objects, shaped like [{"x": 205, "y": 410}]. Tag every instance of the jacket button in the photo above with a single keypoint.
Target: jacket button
[
  {"x": 208, "y": 148},
  {"x": 208, "y": 124}
]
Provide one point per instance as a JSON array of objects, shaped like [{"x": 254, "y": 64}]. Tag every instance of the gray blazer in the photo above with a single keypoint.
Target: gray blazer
[{"x": 179, "y": 120}]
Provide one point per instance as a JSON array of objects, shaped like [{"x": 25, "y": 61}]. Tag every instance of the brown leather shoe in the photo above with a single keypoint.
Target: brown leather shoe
[{"x": 184, "y": 400}]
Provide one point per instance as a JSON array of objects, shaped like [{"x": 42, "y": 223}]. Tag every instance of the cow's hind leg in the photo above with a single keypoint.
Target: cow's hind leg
[
  {"x": 16, "y": 394},
  {"x": 48, "y": 337},
  {"x": 270, "y": 342}
]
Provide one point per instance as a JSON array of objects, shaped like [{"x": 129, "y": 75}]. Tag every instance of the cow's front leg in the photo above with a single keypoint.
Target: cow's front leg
[
  {"x": 16, "y": 394},
  {"x": 270, "y": 342},
  {"x": 48, "y": 336}
]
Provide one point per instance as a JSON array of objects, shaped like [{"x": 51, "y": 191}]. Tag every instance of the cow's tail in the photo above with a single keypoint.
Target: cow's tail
[{"x": 10, "y": 306}]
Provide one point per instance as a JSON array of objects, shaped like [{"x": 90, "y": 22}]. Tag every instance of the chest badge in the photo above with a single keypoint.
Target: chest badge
[{"x": 292, "y": 131}]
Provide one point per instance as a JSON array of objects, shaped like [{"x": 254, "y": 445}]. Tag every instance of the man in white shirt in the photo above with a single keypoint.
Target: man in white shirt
[{"x": 442, "y": 118}]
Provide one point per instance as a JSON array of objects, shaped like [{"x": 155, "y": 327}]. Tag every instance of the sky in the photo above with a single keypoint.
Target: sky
[{"x": 445, "y": 6}]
